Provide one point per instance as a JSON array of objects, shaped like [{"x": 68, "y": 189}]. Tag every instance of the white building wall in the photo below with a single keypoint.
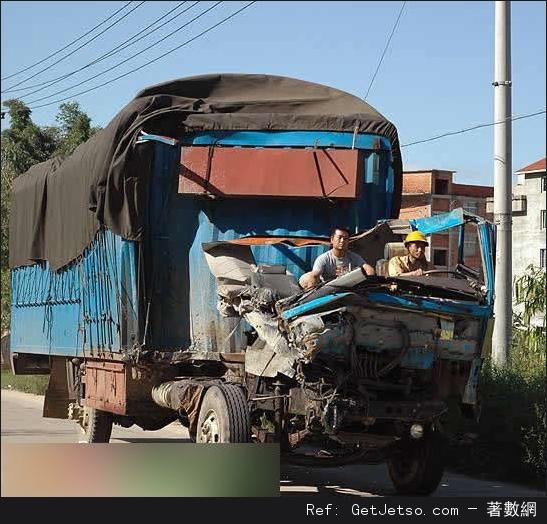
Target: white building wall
[{"x": 528, "y": 236}]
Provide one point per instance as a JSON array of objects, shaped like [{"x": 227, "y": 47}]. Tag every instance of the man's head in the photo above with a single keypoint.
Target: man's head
[
  {"x": 415, "y": 242},
  {"x": 339, "y": 236}
]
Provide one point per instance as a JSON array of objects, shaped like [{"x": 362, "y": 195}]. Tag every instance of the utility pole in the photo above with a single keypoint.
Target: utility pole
[{"x": 503, "y": 183}]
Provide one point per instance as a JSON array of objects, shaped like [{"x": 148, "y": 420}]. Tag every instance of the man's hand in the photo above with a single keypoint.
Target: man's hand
[
  {"x": 308, "y": 280},
  {"x": 368, "y": 269}
]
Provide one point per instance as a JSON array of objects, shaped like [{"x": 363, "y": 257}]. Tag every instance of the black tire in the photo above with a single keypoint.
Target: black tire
[
  {"x": 417, "y": 466},
  {"x": 224, "y": 416},
  {"x": 97, "y": 426}
]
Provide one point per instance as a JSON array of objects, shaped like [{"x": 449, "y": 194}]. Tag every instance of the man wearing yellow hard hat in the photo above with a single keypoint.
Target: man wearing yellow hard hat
[{"x": 414, "y": 262}]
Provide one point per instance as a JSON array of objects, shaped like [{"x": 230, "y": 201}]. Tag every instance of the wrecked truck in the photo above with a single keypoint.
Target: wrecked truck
[{"x": 155, "y": 279}]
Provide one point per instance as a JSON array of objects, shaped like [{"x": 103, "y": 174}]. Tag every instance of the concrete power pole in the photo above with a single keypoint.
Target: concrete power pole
[{"x": 503, "y": 183}]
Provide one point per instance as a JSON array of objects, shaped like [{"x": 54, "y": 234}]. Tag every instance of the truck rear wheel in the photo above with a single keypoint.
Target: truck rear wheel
[
  {"x": 416, "y": 468},
  {"x": 224, "y": 416},
  {"x": 96, "y": 426}
]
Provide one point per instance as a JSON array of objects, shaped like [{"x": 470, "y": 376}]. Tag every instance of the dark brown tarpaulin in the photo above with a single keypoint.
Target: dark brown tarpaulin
[{"x": 57, "y": 207}]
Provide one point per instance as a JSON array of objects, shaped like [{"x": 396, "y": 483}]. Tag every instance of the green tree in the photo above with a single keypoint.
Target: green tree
[
  {"x": 74, "y": 127},
  {"x": 24, "y": 144}
]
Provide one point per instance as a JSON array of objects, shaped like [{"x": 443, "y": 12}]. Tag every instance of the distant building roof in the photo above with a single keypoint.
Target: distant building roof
[
  {"x": 405, "y": 171},
  {"x": 537, "y": 167},
  {"x": 472, "y": 191}
]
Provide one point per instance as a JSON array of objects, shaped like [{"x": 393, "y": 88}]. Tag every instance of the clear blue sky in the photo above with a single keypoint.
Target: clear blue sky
[{"x": 436, "y": 75}]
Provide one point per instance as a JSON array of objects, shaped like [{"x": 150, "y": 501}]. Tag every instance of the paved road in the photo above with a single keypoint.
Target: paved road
[{"x": 22, "y": 422}]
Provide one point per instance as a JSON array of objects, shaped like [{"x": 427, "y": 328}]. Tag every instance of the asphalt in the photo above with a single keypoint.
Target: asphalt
[{"x": 22, "y": 422}]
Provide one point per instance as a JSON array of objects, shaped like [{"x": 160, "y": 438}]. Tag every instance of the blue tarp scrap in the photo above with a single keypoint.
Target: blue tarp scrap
[{"x": 437, "y": 223}]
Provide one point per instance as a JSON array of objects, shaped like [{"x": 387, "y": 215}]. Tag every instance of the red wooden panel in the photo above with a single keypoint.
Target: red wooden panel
[
  {"x": 105, "y": 386},
  {"x": 230, "y": 171}
]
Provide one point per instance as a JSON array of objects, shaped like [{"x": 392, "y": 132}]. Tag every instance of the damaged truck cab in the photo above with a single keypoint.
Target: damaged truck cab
[
  {"x": 155, "y": 278},
  {"x": 360, "y": 368}
]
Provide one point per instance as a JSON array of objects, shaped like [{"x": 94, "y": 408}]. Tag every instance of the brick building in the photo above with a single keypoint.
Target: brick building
[{"x": 430, "y": 192}]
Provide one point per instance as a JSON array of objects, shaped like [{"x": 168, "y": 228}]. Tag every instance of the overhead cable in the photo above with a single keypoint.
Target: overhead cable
[
  {"x": 451, "y": 133},
  {"x": 77, "y": 49},
  {"x": 115, "y": 50},
  {"x": 68, "y": 45},
  {"x": 385, "y": 49},
  {"x": 235, "y": 13},
  {"x": 115, "y": 66}
]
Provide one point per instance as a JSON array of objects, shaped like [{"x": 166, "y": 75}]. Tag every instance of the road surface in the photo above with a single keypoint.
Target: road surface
[{"x": 22, "y": 422}]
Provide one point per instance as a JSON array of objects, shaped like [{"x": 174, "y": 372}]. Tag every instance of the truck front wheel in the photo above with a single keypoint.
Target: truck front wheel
[
  {"x": 417, "y": 466},
  {"x": 224, "y": 416}
]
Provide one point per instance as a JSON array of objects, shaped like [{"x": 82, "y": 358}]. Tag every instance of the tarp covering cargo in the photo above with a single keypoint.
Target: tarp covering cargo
[{"x": 58, "y": 206}]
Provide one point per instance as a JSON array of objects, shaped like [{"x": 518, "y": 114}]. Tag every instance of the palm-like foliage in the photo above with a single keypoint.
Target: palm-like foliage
[{"x": 530, "y": 319}]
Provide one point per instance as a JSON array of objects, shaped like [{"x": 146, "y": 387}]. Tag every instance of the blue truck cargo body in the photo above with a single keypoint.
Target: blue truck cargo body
[{"x": 93, "y": 304}]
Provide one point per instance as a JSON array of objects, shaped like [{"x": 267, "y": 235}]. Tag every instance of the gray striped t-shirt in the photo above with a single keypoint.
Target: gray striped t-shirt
[{"x": 330, "y": 266}]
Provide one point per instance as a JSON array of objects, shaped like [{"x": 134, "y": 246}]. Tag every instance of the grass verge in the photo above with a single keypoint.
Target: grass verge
[{"x": 36, "y": 384}]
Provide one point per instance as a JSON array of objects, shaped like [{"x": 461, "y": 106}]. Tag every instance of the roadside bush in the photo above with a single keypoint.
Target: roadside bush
[{"x": 509, "y": 441}]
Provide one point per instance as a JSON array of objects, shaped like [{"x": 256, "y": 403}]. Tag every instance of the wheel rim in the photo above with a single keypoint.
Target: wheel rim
[
  {"x": 209, "y": 430},
  {"x": 405, "y": 466}
]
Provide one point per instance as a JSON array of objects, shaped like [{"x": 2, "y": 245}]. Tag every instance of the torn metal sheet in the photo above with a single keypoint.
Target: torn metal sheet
[{"x": 262, "y": 360}]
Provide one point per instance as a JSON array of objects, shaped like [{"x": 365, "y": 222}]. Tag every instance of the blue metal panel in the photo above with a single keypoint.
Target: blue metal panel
[
  {"x": 312, "y": 304},
  {"x": 187, "y": 293},
  {"x": 166, "y": 263},
  {"x": 433, "y": 305},
  {"x": 287, "y": 139},
  {"x": 418, "y": 358},
  {"x": 487, "y": 239},
  {"x": 76, "y": 308}
]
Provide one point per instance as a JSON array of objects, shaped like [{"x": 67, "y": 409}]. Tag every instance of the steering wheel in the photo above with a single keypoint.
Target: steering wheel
[{"x": 435, "y": 271}]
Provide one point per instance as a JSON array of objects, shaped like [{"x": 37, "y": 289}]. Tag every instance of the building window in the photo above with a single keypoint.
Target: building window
[
  {"x": 543, "y": 217},
  {"x": 440, "y": 257},
  {"x": 542, "y": 258},
  {"x": 441, "y": 186},
  {"x": 471, "y": 207},
  {"x": 470, "y": 246},
  {"x": 543, "y": 184}
]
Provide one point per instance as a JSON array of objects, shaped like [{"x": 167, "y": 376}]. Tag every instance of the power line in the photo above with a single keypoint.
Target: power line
[
  {"x": 451, "y": 133},
  {"x": 68, "y": 45},
  {"x": 385, "y": 49},
  {"x": 108, "y": 54},
  {"x": 77, "y": 49},
  {"x": 153, "y": 60},
  {"x": 115, "y": 66}
]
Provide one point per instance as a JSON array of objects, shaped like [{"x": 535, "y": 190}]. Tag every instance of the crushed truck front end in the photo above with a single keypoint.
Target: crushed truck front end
[{"x": 363, "y": 368}]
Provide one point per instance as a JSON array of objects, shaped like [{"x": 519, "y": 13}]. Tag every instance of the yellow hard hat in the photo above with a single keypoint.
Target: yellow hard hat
[{"x": 416, "y": 236}]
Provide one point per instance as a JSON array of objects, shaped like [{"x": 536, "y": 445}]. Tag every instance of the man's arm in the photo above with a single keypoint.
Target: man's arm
[
  {"x": 367, "y": 268},
  {"x": 395, "y": 269},
  {"x": 310, "y": 279}
]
